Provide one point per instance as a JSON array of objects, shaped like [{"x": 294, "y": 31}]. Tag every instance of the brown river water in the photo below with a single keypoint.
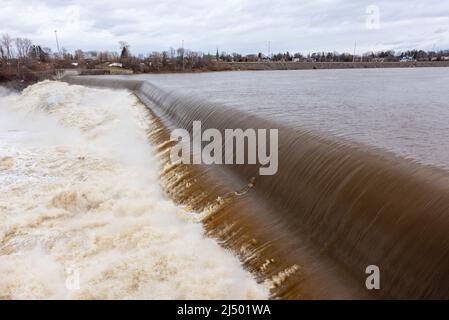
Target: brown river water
[
  {"x": 402, "y": 110},
  {"x": 362, "y": 180}
]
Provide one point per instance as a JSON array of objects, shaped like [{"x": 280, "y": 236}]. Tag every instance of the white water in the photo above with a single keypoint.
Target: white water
[{"x": 80, "y": 199}]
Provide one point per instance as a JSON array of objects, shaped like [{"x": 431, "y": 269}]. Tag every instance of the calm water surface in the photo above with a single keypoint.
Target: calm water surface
[{"x": 405, "y": 111}]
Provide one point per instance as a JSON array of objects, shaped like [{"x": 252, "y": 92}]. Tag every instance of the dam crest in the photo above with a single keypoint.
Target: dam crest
[{"x": 333, "y": 208}]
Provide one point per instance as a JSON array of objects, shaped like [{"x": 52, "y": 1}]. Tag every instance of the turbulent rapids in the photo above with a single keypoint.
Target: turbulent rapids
[
  {"x": 91, "y": 202},
  {"x": 82, "y": 211}
]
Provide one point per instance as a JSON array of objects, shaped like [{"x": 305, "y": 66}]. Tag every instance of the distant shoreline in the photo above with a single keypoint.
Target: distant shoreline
[
  {"x": 288, "y": 65},
  {"x": 267, "y": 66},
  {"x": 255, "y": 66},
  {"x": 18, "y": 84}
]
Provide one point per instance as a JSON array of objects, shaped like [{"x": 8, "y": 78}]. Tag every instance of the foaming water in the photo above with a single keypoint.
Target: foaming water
[{"x": 80, "y": 199}]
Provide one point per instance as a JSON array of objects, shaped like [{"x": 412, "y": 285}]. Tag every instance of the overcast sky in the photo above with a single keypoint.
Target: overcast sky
[{"x": 237, "y": 25}]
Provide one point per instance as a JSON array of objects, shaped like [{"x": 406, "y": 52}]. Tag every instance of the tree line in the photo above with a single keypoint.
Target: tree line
[{"x": 21, "y": 56}]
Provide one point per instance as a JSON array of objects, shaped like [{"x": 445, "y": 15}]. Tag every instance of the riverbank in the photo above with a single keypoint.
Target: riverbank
[
  {"x": 17, "y": 83},
  {"x": 286, "y": 65}
]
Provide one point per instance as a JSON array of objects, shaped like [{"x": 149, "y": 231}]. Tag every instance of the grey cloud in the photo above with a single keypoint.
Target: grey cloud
[{"x": 231, "y": 25}]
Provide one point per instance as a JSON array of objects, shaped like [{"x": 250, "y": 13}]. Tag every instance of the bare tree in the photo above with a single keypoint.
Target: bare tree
[
  {"x": 66, "y": 55},
  {"x": 7, "y": 45},
  {"x": 79, "y": 55},
  {"x": 105, "y": 56},
  {"x": 45, "y": 54},
  {"x": 123, "y": 45},
  {"x": 172, "y": 53},
  {"x": 19, "y": 47},
  {"x": 180, "y": 52},
  {"x": 27, "y": 44},
  {"x": 165, "y": 57},
  {"x": 23, "y": 47},
  {"x": 124, "y": 48}
]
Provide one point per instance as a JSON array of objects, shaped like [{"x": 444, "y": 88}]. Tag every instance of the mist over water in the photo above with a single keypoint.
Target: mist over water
[{"x": 80, "y": 194}]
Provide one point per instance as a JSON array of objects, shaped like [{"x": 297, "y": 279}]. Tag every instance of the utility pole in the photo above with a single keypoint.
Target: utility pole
[
  {"x": 355, "y": 47},
  {"x": 57, "y": 42},
  {"x": 269, "y": 48},
  {"x": 182, "y": 55}
]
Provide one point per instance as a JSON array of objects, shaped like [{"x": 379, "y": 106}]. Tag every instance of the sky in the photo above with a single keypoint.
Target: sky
[{"x": 244, "y": 26}]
